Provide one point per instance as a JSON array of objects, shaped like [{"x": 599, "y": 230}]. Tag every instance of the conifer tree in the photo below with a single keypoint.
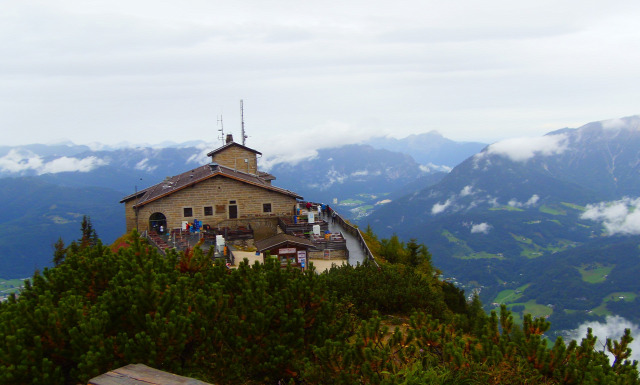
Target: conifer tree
[
  {"x": 59, "y": 252},
  {"x": 418, "y": 255},
  {"x": 89, "y": 234},
  {"x": 392, "y": 250}
]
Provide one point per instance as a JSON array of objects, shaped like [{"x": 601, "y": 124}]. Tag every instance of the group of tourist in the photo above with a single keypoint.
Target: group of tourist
[{"x": 326, "y": 210}]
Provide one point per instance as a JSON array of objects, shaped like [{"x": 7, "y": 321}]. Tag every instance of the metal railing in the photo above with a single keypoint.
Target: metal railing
[{"x": 349, "y": 228}]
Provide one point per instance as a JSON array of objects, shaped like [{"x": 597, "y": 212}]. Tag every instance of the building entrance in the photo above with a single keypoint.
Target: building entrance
[{"x": 158, "y": 223}]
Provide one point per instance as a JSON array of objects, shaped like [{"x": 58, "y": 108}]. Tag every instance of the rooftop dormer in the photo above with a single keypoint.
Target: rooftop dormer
[{"x": 236, "y": 156}]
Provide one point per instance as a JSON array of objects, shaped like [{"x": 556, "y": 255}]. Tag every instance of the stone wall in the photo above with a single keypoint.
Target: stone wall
[
  {"x": 234, "y": 157},
  {"x": 217, "y": 193}
]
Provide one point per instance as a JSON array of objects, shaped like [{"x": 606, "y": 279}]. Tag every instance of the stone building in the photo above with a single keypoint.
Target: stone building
[{"x": 230, "y": 187}]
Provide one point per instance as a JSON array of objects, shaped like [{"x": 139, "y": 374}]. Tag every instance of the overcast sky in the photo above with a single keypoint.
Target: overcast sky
[{"x": 312, "y": 73}]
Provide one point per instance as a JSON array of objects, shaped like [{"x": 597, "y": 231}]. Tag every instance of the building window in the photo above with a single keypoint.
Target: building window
[
  {"x": 187, "y": 212},
  {"x": 208, "y": 210},
  {"x": 266, "y": 207}
]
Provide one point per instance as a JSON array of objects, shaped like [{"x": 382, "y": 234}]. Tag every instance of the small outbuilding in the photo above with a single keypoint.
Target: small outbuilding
[{"x": 287, "y": 249}]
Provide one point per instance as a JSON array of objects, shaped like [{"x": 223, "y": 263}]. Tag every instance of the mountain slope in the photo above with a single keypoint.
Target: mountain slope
[
  {"x": 526, "y": 199},
  {"x": 35, "y": 214},
  {"x": 356, "y": 174}
]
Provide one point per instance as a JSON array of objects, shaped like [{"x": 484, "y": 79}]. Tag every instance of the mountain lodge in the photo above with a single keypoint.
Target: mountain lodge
[{"x": 230, "y": 187}]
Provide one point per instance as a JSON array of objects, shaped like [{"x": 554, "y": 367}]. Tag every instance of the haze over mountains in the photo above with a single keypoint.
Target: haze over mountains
[
  {"x": 549, "y": 222},
  {"x": 48, "y": 188},
  {"x": 537, "y": 215}
]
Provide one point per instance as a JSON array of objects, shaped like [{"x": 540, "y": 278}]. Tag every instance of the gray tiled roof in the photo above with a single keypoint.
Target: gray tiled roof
[
  {"x": 281, "y": 238},
  {"x": 197, "y": 175},
  {"x": 217, "y": 150}
]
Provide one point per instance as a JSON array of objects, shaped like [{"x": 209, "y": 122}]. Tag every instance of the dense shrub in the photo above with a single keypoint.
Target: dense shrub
[{"x": 98, "y": 310}]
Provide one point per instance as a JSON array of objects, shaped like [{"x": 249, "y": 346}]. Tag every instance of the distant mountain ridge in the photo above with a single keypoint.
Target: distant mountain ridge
[
  {"x": 429, "y": 148},
  {"x": 349, "y": 170}
]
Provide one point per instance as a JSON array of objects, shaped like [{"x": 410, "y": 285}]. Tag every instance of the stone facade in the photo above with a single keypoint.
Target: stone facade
[
  {"x": 237, "y": 158},
  {"x": 219, "y": 195}
]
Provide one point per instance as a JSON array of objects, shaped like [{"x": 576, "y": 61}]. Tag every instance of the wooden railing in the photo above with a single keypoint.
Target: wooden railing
[
  {"x": 142, "y": 374},
  {"x": 152, "y": 242}
]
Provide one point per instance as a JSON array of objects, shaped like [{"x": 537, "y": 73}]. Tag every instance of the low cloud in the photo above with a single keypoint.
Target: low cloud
[
  {"x": 523, "y": 149},
  {"x": 531, "y": 202},
  {"x": 66, "y": 164},
  {"x": 365, "y": 173},
  {"x": 617, "y": 217},
  {"x": 201, "y": 156},
  {"x": 143, "y": 165},
  {"x": 613, "y": 328},
  {"x": 17, "y": 161},
  {"x": 292, "y": 158},
  {"x": 467, "y": 190},
  {"x": 334, "y": 176},
  {"x": 310, "y": 140},
  {"x": 434, "y": 168},
  {"x": 481, "y": 228},
  {"x": 440, "y": 207},
  {"x": 21, "y": 162},
  {"x": 614, "y": 124}
]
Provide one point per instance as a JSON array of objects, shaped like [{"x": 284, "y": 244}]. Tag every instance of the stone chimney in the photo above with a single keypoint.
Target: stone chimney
[{"x": 229, "y": 138}]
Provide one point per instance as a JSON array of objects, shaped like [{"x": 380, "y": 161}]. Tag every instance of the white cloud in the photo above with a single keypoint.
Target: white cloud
[
  {"x": 614, "y": 124},
  {"x": 482, "y": 228},
  {"x": 292, "y": 146},
  {"x": 529, "y": 203},
  {"x": 144, "y": 166},
  {"x": 523, "y": 149},
  {"x": 440, "y": 207},
  {"x": 434, "y": 168},
  {"x": 334, "y": 176},
  {"x": 66, "y": 164},
  {"x": 20, "y": 162},
  {"x": 466, "y": 190},
  {"x": 360, "y": 173},
  {"x": 532, "y": 201},
  {"x": 617, "y": 217},
  {"x": 292, "y": 158},
  {"x": 612, "y": 328},
  {"x": 201, "y": 156}
]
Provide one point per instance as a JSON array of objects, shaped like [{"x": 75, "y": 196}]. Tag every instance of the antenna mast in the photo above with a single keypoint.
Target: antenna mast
[
  {"x": 244, "y": 135},
  {"x": 221, "y": 129}
]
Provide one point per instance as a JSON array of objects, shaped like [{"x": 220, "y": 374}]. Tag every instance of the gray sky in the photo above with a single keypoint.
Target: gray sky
[{"x": 312, "y": 73}]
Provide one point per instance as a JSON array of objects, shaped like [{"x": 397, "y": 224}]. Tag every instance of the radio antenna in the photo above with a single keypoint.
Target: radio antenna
[
  {"x": 221, "y": 130},
  {"x": 244, "y": 135}
]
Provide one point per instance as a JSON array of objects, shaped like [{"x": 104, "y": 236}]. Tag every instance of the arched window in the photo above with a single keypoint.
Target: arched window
[{"x": 158, "y": 223}]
